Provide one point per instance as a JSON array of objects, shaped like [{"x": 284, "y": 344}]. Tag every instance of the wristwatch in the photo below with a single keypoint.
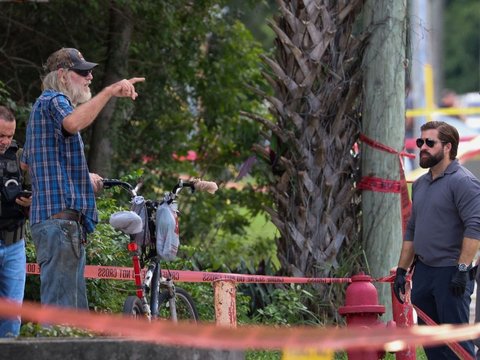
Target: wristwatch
[{"x": 462, "y": 267}]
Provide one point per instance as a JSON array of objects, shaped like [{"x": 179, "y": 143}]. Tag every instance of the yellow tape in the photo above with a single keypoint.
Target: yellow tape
[
  {"x": 307, "y": 355},
  {"x": 444, "y": 111},
  {"x": 429, "y": 98}
]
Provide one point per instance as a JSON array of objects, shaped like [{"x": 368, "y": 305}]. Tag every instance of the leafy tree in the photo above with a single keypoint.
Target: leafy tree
[
  {"x": 253, "y": 14},
  {"x": 197, "y": 59},
  {"x": 462, "y": 47}
]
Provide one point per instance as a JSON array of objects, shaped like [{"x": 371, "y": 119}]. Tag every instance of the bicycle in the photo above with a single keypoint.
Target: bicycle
[{"x": 156, "y": 295}]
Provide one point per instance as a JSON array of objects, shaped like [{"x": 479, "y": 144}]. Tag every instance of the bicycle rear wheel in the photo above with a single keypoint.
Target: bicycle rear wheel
[
  {"x": 185, "y": 307},
  {"x": 133, "y": 307}
]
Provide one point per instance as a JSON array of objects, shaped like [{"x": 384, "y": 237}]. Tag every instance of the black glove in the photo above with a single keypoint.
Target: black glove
[
  {"x": 399, "y": 283},
  {"x": 459, "y": 282},
  {"x": 473, "y": 272}
]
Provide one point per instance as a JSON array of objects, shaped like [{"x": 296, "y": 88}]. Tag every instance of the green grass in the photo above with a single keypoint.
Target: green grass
[
  {"x": 277, "y": 355},
  {"x": 262, "y": 226}
]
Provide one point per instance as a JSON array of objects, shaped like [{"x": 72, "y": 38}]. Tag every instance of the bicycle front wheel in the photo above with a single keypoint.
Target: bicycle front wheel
[
  {"x": 133, "y": 307},
  {"x": 185, "y": 307}
]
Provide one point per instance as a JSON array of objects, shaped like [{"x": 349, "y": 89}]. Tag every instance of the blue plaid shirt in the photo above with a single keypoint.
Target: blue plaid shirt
[{"x": 57, "y": 164}]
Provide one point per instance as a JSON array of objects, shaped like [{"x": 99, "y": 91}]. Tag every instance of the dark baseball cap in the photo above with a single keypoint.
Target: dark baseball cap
[{"x": 67, "y": 58}]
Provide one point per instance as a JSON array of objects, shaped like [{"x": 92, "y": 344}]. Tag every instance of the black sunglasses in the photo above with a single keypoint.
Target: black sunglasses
[
  {"x": 430, "y": 143},
  {"x": 83, "y": 73}
]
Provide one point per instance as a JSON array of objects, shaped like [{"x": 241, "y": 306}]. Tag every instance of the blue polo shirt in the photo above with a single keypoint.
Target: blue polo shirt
[
  {"x": 57, "y": 164},
  {"x": 444, "y": 211}
]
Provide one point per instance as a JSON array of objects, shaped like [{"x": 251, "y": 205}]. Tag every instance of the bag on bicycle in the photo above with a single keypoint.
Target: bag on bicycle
[
  {"x": 139, "y": 207},
  {"x": 168, "y": 238}
]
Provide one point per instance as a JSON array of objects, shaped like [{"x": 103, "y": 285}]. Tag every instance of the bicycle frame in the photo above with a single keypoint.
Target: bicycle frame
[
  {"x": 139, "y": 284},
  {"x": 153, "y": 271},
  {"x": 154, "y": 280}
]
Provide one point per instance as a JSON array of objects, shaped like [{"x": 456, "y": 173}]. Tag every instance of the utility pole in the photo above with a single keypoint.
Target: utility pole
[
  {"x": 422, "y": 74},
  {"x": 437, "y": 8},
  {"x": 383, "y": 120}
]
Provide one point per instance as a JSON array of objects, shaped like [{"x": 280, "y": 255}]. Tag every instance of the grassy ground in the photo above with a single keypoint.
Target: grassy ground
[{"x": 277, "y": 355}]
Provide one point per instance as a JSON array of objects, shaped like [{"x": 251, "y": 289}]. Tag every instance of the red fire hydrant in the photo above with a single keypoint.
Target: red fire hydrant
[{"x": 362, "y": 309}]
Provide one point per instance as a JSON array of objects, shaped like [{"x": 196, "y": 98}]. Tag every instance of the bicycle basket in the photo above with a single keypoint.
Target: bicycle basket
[
  {"x": 143, "y": 237},
  {"x": 168, "y": 239}
]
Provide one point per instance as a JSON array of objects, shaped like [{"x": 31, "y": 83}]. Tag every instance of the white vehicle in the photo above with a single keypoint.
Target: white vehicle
[{"x": 472, "y": 100}]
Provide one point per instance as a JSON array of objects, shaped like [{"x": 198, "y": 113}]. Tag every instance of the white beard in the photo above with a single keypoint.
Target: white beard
[{"x": 78, "y": 94}]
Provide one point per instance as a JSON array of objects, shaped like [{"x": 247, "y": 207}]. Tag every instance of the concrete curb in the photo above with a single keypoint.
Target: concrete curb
[{"x": 104, "y": 349}]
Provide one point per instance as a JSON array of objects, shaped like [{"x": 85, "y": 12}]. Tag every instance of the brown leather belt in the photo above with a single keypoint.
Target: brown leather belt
[{"x": 68, "y": 214}]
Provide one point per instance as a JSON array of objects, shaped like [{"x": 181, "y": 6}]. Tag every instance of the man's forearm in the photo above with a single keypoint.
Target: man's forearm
[
  {"x": 406, "y": 255},
  {"x": 469, "y": 250},
  {"x": 86, "y": 113}
]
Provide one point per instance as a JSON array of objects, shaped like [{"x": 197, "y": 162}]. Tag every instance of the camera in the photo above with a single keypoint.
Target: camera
[
  {"x": 11, "y": 189},
  {"x": 24, "y": 193}
]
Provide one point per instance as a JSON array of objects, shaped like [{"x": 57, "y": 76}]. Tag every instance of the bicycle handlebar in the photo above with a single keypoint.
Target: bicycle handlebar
[
  {"x": 198, "y": 185},
  {"x": 109, "y": 183}
]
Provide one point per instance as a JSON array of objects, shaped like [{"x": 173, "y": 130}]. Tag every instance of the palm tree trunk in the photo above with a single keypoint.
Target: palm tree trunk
[{"x": 316, "y": 77}]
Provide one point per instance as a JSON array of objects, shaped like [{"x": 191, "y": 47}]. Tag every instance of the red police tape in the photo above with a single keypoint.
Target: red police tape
[
  {"x": 126, "y": 273},
  {"x": 207, "y": 335},
  {"x": 372, "y": 183},
  {"x": 242, "y": 338}
]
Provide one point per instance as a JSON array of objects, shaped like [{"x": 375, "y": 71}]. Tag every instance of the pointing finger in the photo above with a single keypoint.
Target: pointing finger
[{"x": 136, "y": 79}]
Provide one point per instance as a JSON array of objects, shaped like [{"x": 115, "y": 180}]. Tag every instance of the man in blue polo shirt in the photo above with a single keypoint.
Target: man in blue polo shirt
[
  {"x": 63, "y": 205},
  {"x": 442, "y": 235}
]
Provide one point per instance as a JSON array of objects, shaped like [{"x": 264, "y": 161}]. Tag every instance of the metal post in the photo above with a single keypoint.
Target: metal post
[
  {"x": 225, "y": 303},
  {"x": 403, "y": 317}
]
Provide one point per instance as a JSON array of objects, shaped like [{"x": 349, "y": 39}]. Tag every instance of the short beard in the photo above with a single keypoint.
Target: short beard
[{"x": 431, "y": 160}]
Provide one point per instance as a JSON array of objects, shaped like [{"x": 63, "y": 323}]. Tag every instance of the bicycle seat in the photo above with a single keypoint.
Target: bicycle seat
[{"x": 127, "y": 222}]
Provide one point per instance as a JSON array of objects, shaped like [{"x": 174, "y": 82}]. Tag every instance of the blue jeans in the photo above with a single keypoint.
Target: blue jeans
[
  {"x": 12, "y": 282},
  {"x": 61, "y": 256},
  {"x": 431, "y": 293}
]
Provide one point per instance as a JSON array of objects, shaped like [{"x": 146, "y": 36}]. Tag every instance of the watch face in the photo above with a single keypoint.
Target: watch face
[{"x": 462, "y": 267}]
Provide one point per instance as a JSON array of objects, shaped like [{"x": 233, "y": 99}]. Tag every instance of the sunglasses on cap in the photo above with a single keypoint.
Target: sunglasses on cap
[
  {"x": 430, "y": 143},
  {"x": 83, "y": 73}
]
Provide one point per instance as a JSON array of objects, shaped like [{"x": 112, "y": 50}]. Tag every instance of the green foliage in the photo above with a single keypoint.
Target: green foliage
[
  {"x": 263, "y": 355},
  {"x": 287, "y": 307},
  {"x": 462, "y": 46},
  {"x": 197, "y": 59},
  {"x": 206, "y": 59},
  {"x": 253, "y": 16},
  {"x": 36, "y": 330},
  {"x": 260, "y": 295},
  {"x": 20, "y": 112},
  {"x": 420, "y": 355}
]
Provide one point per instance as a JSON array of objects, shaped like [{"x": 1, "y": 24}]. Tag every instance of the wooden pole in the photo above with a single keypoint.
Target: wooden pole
[{"x": 383, "y": 120}]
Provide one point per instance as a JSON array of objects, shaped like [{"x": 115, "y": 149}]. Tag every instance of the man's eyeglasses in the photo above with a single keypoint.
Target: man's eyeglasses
[
  {"x": 83, "y": 73},
  {"x": 430, "y": 143}
]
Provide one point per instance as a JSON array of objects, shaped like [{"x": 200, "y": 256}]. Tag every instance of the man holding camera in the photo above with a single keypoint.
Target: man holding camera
[{"x": 14, "y": 203}]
